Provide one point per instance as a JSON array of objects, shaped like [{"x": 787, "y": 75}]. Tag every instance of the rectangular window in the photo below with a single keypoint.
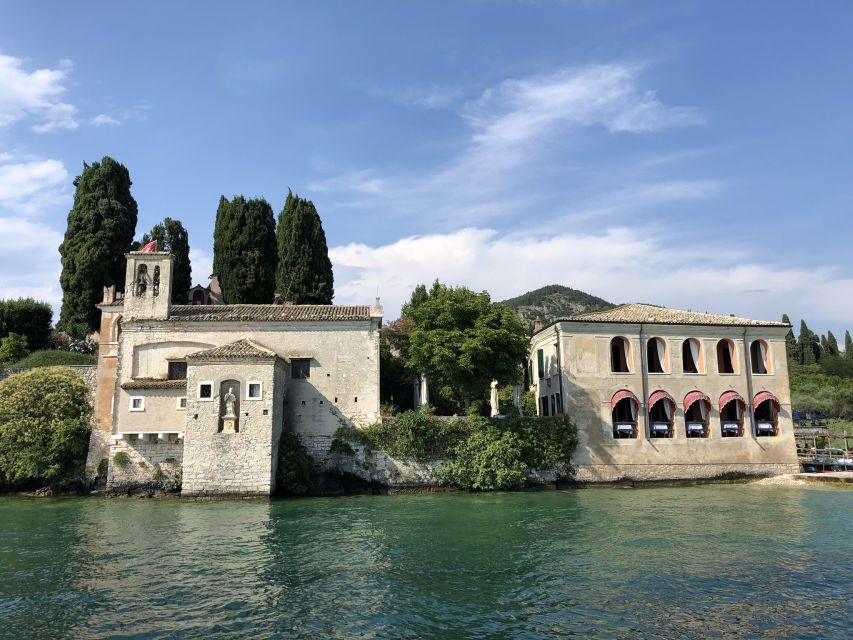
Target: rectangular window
[
  {"x": 137, "y": 403},
  {"x": 300, "y": 369},
  {"x": 205, "y": 391},
  {"x": 559, "y": 405},
  {"x": 543, "y": 402},
  {"x": 553, "y": 405},
  {"x": 540, "y": 360},
  {"x": 177, "y": 370},
  {"x": 182, "y": 403},
  {"x": 253, "y": 391}
]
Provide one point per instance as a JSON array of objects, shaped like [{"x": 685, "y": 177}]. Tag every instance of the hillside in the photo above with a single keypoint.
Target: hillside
[{"x": 552, "y": 302}]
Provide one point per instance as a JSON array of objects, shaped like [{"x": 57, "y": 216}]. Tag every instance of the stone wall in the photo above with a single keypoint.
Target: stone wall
[
  {"x": 660, "y": 472},
  {"x": 150, "y": 461}
]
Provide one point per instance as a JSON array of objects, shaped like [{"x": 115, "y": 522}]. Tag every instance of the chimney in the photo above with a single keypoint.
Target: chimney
[{"x": 537, "y": 325}]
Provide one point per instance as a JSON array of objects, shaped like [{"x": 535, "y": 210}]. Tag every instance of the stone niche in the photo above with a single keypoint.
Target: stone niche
[{"x": 231, "y": 443}]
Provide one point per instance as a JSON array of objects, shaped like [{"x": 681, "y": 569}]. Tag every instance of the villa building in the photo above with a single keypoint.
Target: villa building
[
  {"x": 207, "y": 388},
  {"x": 664, "y": 394}
]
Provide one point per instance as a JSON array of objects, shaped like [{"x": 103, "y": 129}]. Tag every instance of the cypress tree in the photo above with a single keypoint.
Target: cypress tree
[
  {"x": 848, "y": 346},
  {"x": 790, "y": 340},
  {"x": 101, "y": 226},
  {"x": 171, "y": 235},
  {"x": 304, "y": 273},
  {"x": 831, "y": 348},
  {"x": 244, "y": 250},
  {"x": 808, "y": 345}
]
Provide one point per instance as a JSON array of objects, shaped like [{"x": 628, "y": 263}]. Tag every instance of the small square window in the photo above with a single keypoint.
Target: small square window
[
  {"x": 182, "y": 403},
  {"x": 177, "y": 371},
  {"x": 253, "y": 391},
  {"x": 205, "y": 391},
  {"x": 300, "y": 368},
  {"x": 137, "y": 403}
]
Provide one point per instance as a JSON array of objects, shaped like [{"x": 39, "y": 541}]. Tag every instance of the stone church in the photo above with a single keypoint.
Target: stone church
[{"x": 207, "y": 388}]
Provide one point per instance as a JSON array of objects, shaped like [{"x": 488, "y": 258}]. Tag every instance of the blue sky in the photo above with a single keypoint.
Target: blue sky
[{"x": 690, "y": 154}]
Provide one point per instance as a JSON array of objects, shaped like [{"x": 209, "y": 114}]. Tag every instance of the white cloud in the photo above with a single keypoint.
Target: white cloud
[
  {"x": 35, "y": 94},
  {"x": 618, "y": 264},
  {"x": 29, "y": 262},
  {"x": 103, "y": 120},
  {"x": 31, "y": 187},
  {"x": 201, "y": 263}
]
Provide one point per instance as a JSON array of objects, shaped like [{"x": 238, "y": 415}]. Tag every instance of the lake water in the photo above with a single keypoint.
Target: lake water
[{"x": 752, "y": 561}]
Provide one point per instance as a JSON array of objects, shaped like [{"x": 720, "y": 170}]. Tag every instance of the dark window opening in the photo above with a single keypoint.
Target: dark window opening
[
  {"x": 300, "y": 369},
  {"x": 696, "y": 420},
  {"x": 198, "y": 297},
  {"x": 656, "y": 354},
  {"x": 625, "y": 419},
  {"x": 660, "y": 419},
  {"x": 543, "y": 403},
  {"x": 687, "y": 356},
  {"x": 725, "y": 359},
  {"x": 177, "y": 371},
  {"x": 731, "y": 420},
  {"x": 619, "y": 356},
  {"x": 205, "y": 391},
  {"x": 766, "y": 419},
  {"x": 155, "y": 283},
  {"x": 758, "y": 356}
]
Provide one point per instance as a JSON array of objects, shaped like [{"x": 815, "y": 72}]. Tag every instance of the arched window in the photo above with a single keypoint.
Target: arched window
[
  {"x": 141, "y": 281},
  {"x": 759, "y": 357},
  {"x": 692, "y": 357},
  {"x": 731, "y": 414},
  {"x": 661, "y": 412},
  {"x": 198, "y": 296},
  {"x": 697, "y": 406},
  {"x": 657, "y": 356},
  {"x": 620, "y": 355},
  {"x": 766, "y": 408},
  {"x": 726, "y": 357},
  {"x": 155, "y": 282},
  {"x": 623, "y": 406}
]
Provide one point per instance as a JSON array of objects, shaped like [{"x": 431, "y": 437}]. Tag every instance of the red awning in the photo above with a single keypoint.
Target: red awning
[
  {"x": 761, "y": 396},
  {"x": 660, "y": 394},
  {"x": 695, "y": 396},
  {"x": 621, "y": 395},
  {"x": 728, "y": 396}
]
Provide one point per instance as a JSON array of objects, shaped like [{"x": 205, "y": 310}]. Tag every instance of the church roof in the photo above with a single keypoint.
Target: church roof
[
  {"x": 635, "y": 313},
  {"x": 269, "y": 312},
  {"x": 243, "y": 349}
]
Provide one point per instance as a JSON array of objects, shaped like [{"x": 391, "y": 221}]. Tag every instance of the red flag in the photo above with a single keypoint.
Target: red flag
[{"x": 151, "y": 247}]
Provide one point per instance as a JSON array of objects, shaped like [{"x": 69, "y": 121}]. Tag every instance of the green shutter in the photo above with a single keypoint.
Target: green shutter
[{"x": 540, "y": 356}]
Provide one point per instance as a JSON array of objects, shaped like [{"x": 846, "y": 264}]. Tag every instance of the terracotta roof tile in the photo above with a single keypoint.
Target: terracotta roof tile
[
  {"x": 268, "y": 312},
  {"x": 154, "y": 383},
  {"x": 243, "y": 349},
  {"x": 636, "y": 313}
]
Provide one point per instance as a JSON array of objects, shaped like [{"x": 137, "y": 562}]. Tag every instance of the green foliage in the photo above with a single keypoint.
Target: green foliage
[
  {"x": 101, "y": 226},
  {"x": 790, "y": 340},
  {"x": 121, "y": 459},
  {"x": 552, "y": 302},
  {"x": 528, "y": 403},
  {"x": 44, "y": 426},
  {"x": 103, "y": 467},
  {"x": 831, "y": 348},
  {"x": 295, "y": 472},
  {"x": 341, "y": 447},
  {"x": 462, "y": 341},
  {"x": 825, "y": 388},
  {"x": 304, "y": 274},
  {"x": 848, "y": 345},
  {"x": 808, "y": 345},
  {"x": 488, "y": 460},
  {"x": 171, "y": 235},
  {"x": 28, "y": 318},
  {"x": 13, "y": 348},
  {"x": 53, "y": 358},
  {"x": 244, "y": 250}
]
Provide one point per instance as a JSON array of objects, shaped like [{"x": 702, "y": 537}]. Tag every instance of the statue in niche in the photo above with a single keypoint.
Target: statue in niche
[
  {"x": 141, "y": 282},
  {"x": 229, "y": 415},
  {"x": 155, "y": 283}
]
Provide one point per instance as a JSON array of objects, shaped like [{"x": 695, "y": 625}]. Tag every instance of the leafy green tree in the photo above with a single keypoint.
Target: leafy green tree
[
  {"x": 171, "y": 235},
  {"x": 44, "y": 426},
  {"x": 244, "y": 250},
  {"x": 808, "y": 345},
  {"x": 790, "y": 340},
  {"x": 461, "y": 340},
  {"x": 848, "y": 345},
  {"x": 304, "y": 274},
  {"x": 488, "y": 460},
  {"x": 831, "y": 348},
  {"x": 101, "y": 226},
  {"x": 13, "y": 348},
  {"x": 27, "y": 317}
]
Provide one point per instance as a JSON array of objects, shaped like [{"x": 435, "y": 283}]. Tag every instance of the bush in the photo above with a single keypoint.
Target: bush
[
  {"x": 295, "y": 473},
  {"x": 486, "y": 461},
  {"x": 121, "y": 459},
  {"x": 44, "y": 426},
  {"x": 103, "y": 467},
  {"x": 28, "y": 318},
  {"x": 341, "y": 447},
  {"x": 13, "y": 348},
  {"x": 55, "y": 359}
]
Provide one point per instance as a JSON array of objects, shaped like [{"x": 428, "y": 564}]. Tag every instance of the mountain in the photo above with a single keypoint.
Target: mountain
[{"x": 552, "y": 302}]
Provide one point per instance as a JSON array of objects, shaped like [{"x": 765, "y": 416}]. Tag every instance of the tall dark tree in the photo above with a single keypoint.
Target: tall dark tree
[
  {"x": 831, "y": 348},
  {"x": 808, "y": 345},
  {"x": 790, "y": 340},
  {"x": 304, "y": 273},
  {"x": 244, "y": 250},
  {"x": 101, "y": 226},
  {"x": 171, "y": 235},
  {"x": 848, "y": 345}
]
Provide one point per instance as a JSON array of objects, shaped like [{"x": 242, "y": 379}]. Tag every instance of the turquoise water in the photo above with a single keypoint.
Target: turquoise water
[{"x": 721, "y": 561}]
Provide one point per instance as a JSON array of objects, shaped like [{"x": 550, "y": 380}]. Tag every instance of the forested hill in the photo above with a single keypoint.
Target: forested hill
[{"x": 552, "y": 302}]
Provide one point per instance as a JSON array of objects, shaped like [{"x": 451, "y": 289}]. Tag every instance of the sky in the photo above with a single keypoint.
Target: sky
[{"x": 690, "y": 154}]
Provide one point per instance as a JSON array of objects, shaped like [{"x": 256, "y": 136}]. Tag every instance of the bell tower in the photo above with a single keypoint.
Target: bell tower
[{"x": 148, "y": 285}]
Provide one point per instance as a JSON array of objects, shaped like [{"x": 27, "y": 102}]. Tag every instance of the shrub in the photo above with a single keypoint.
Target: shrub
[
  {"x": 412, "y": 436},
  {"x": 121, "y": 459},
  {"x": 486, "y": 461},
  {"x": 543, "y": 441},
  {"x": 12, "y": 348},
  {"x": 44, "y": 426},
  {"x": 103, "y": 467},
  {"x": 341, "y": 447},
  {"x": 295, "y": 473},
  {"x": 55, "y": 359},
  {"x": 28, "y": 318}
]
